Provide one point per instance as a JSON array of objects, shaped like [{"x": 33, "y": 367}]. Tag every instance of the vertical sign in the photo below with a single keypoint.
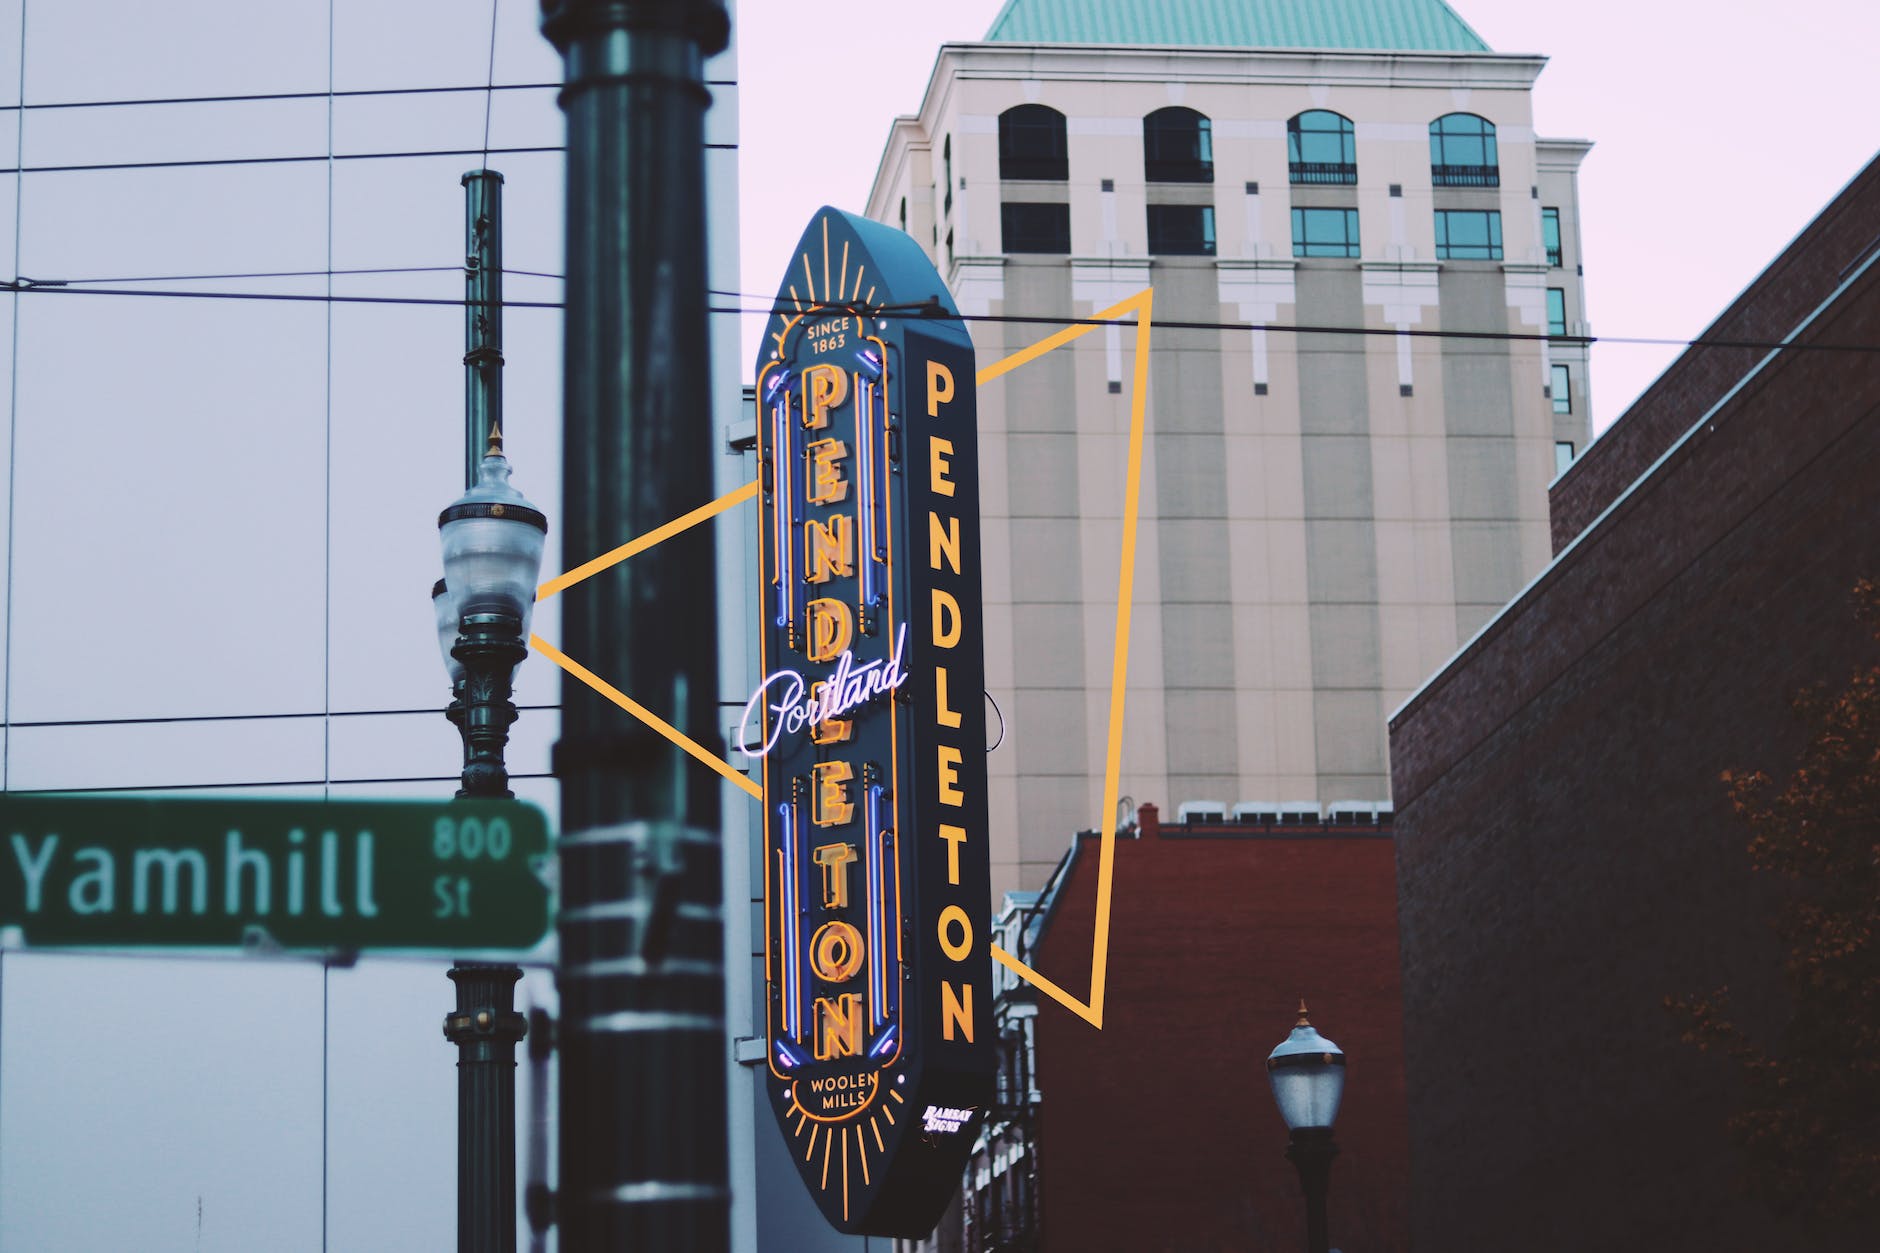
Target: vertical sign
[{"x": 870, "y": 727}]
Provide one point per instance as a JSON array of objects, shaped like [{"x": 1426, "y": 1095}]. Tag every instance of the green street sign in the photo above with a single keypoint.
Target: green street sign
[{"x": 129, "y": 873}]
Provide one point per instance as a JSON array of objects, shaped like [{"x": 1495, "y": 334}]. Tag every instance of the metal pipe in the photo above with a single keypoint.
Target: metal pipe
[
  {"x": 642, "y": 1097},
  {"x": 483, "y": 315}
]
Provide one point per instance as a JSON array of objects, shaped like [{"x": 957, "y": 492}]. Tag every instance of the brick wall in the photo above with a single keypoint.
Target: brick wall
[
  {"x": 1566, "y": 857},
  {"x": 1159, "y": 1132}
]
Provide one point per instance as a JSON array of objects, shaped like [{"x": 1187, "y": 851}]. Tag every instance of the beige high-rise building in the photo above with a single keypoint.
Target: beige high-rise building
[{"x": 1327, "y": 514}]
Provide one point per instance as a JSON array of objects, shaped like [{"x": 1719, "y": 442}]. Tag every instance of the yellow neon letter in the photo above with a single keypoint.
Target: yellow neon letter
[
  {"x": 946, "y": 619},
  {"x": 945, "y": 716},
  {"x": 939, "y": 387},
  {"x": 943, "y": 541},
  {"x": 831, "y": 548},
  {"x": 954, "y": 836},
  {"x": 831, "y": 626},
  {"x": 952, "y": 916},
  {"x": 938, "y": 450},
  {"x": 950, "y": 760},
  {"x": 824, "y": 387},
  {"x": 839, "y": 1026},
  {"x": 835, "y": 954},
  {"x": 829, "y": 730},
  {"x": 956, "y": 1007},
  {"x": 833, "y": 858},
  {"x": 831, "y": 806},
  {"x": 826, "y": 484}
]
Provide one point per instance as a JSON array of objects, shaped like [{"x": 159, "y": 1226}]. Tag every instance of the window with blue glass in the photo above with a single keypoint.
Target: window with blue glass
[
  {"x": 1468, "y": 234},
  {"x": 1325, "y": 232},
  {"x": 1320, "y": 148},
  {"x": 1177, "y": 147},
  {"x": 1462, "y": 152},
  {"x": 1181, "y": 230},
  {"x": 1550, "y": 235},
  {"x": 1032, "y": 144},
  {"x": 1556, "y": 311},
  {"x": 1035, "y": 228},
  {"x": 1561, "y": 390}
]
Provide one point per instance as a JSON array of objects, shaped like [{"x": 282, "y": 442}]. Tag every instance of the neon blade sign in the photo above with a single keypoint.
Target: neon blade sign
[{"x": 876, "y": 883}]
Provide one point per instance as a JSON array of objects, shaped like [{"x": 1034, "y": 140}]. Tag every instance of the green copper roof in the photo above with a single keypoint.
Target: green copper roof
[{"x": 1397, "y": 25}]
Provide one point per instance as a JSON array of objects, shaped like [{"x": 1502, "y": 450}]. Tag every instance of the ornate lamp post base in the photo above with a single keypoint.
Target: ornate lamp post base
[{"x": 490, "y": 648}]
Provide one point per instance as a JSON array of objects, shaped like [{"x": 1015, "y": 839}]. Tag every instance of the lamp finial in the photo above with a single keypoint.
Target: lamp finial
[
  {"x": 1303, "y": 1022},
  {"x": 496, "y": 441}
]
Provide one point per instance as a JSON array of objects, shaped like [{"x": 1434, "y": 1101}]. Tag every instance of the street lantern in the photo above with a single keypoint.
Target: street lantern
[
  {"x": 444, "y": 609},
  {"x": 1307, "y": 1072},
  {"x": 493, "y": 540}
]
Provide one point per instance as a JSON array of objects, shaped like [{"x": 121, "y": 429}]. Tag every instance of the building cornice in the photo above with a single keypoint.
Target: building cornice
[
  {"x": 904, "y": 136},
  {"x": 1108, "y": 63},
  {"x": 1561, "y": 154}
]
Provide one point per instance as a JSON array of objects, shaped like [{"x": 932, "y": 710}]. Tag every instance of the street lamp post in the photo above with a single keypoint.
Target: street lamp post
[
  {"x": 492, "y": 539},
  {"x": 640, "y": 967},
  {"x": 1307, "y": 1072}
]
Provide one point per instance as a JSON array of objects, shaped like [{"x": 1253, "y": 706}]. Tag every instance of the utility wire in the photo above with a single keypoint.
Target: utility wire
[
  {"x": 13, "y": 417},
  {"x": 252, "y": 97},
  {"x": 218, "y": 787},
  {"x": 170, "y": 719},
  {"x": 203, "y": 162},
  {"x": 53, "y": 287},
  {"x": 195, "y": 278},
  {"x": 489, "y": 92}
]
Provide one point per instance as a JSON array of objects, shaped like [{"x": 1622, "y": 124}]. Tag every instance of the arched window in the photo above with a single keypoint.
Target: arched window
[
  {"x": 1320, "y": 148},
  {"x": 946, "y": 162},
  {"x": 1177, "y": 147},
  {"x": 1032, "y": 144},
  {"x": 1462, "y": 152}
]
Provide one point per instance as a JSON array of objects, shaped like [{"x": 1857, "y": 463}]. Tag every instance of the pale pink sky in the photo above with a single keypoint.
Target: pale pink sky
[{"x": 1720, "y": 126}]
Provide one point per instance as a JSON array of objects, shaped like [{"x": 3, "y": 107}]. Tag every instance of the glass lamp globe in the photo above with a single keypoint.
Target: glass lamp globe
[
  {"x": 444, "y": 609},
  {"x": 493, "y": 540},
  {"x": 1307, "y": 1072}
]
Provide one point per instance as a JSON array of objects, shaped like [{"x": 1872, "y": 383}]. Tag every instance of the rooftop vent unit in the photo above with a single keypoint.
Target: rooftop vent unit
[
  {"x": 1191, "y": 812},
  {"x": 1352, "y": 813},
  {"x": 1298, "y": 813},
  {"x": 1256, "y": 813}
]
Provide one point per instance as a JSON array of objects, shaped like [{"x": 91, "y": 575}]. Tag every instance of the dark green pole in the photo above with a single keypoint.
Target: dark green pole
[
  {"x": 641, "y": 974},
  {"x": 1311, "y": 1150},
  {"x": 485, "y": 1026},
  {"x": 483, "y": 315}
]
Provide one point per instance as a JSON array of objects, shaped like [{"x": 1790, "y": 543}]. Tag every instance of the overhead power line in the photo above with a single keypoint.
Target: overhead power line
[
  {"x": 217, "y": 787},
  {"x": 206, "y": 162},
  {"x": 175, "y": 718},
  {"x": 253, "y": 97},
  {"x": 29, "y": 286}
]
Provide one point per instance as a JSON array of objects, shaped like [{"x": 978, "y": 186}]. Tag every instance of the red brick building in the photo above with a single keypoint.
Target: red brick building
[
  {"x": 1566, "y": 854},
  {"x": 1159, "y": 1132}
]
